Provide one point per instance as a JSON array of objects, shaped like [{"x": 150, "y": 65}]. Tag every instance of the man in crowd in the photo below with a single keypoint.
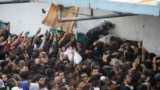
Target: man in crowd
[{"x": 97, "y": 32}]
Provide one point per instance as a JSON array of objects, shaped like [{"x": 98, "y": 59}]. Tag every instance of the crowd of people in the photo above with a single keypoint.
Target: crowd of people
[{"x": 55, "y": 60}]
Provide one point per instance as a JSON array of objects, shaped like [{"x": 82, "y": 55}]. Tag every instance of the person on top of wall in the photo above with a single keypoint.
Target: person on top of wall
[{"x": 97, "y": 32}]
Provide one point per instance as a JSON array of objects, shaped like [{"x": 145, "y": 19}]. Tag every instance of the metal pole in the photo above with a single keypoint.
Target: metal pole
[
  {"x": 89, "y": 18},
  {"x": 60, "y": 13},
  {"x": 77, "y": 13},
  {"x": 13, "y": 1},
  {"x": 92, "y": 12}
]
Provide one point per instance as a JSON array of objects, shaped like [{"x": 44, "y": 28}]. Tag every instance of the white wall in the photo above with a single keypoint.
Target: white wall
[
  {"x": 140, "y": 27},
  {"x": 24, "y": 16},
  {"x": 28, "y": 16}
]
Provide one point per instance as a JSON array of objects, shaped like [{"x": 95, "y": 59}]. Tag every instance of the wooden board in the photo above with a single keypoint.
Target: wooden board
[{"x": 51, "y": 17}]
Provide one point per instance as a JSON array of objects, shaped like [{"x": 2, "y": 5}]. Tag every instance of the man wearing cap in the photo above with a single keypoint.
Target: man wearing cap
[{"x": 97, "y": 32}]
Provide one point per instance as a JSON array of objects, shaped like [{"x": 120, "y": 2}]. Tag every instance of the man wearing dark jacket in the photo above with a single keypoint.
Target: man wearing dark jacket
[{"x": 96, "y": 33}]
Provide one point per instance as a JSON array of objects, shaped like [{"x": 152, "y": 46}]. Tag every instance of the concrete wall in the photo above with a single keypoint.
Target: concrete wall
[
  {"x": 140, "y": 27},
  {"x": 24, "y": 16},
  {"x": 28, "y": 16}
]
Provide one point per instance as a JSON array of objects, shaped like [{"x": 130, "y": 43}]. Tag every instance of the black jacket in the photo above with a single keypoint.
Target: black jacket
[{"x": 94, "y": 33}]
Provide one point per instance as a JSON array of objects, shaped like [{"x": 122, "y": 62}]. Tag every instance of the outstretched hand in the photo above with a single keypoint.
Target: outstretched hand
[
  {"x": 38, "y": 31},
  {"x": 20, "y": 34}
]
